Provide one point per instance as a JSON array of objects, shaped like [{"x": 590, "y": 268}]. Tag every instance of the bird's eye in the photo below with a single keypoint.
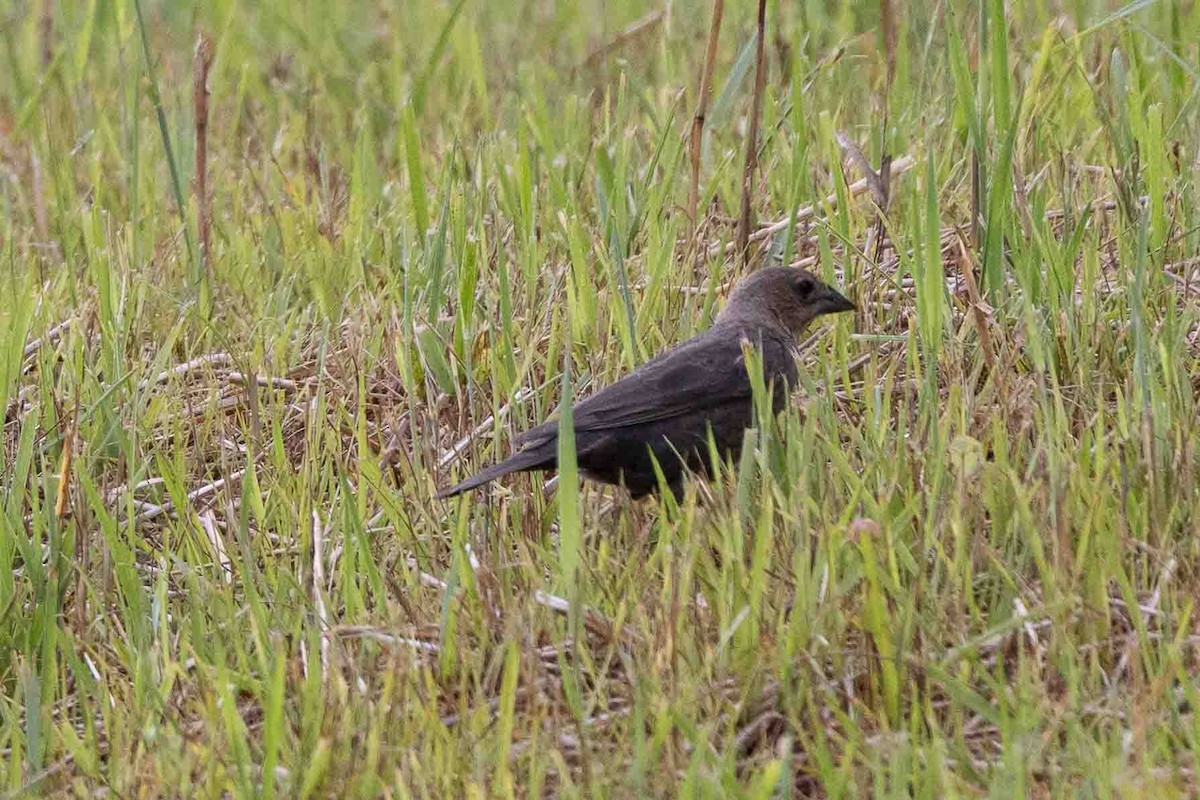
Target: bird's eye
[{"x": 804, "y": 287}]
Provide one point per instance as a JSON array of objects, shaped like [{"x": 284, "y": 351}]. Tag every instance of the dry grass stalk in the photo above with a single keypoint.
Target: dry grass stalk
[
  {"x": 887, "y": 20},
  {"x": 52, "y": 336},
  {"x": 151, "y": 511},
  {"x": 62, "y": 507},
  {"x": 46, "y": 32},
  {"x": 760, "y": 82},
  {"x": 710, "y": 57},
  {"x": 201, "y": 63},
  {"x": 318, "y": 584},
  {"x": 982, "y": 311},
  {"x": 63, "y": 498},
  {"x": 179, "y": 370},
  {"x": 208, "y": 523}
]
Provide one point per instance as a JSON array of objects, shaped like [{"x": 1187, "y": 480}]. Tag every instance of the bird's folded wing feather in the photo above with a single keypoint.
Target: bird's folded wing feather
[
  {"x": 703, "y": 373},
  {"x": 686, "y": 380}
]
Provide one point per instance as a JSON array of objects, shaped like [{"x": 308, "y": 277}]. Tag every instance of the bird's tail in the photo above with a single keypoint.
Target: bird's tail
[{"x": 533, "y": 458}]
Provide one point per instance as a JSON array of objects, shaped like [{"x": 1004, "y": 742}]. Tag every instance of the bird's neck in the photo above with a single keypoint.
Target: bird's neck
[{"x": 755, "y": 326}]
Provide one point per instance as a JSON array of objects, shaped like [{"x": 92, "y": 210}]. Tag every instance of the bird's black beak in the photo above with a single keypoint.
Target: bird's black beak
[{"x": 833, "y": 302}]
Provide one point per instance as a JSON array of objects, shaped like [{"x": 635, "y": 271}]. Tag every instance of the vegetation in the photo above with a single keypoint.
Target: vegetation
[{"x": 237, "y": 358}]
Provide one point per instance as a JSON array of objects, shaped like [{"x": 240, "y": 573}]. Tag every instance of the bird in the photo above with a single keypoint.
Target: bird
[{"x": 665, "y": 410}]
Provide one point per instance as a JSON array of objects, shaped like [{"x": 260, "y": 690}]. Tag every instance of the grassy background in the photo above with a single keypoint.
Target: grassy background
[{"x": 963, "y": 565}]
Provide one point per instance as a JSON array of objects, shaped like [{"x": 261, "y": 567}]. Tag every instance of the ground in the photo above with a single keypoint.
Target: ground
[{"x": 275, "y": 272}]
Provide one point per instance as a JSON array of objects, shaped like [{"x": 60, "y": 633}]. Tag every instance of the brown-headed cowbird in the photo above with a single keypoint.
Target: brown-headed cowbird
[{"x": 665, "y": 409}]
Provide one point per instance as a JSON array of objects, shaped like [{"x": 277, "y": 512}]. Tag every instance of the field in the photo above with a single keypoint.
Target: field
[{"x": 246, "y": 334}]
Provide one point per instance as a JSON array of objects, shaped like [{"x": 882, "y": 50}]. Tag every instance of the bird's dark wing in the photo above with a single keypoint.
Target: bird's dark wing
[{"x": 704, "y": 372}]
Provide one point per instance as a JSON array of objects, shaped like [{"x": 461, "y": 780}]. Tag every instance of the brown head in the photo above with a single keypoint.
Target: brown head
[{"x": 785, "y": 298}]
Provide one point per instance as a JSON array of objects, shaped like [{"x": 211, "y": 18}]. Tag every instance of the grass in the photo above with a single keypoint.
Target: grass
[{"x": 963, "y": 564}]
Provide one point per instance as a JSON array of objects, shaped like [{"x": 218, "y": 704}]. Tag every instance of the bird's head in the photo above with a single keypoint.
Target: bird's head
[{"x": 782, "y": 297}]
